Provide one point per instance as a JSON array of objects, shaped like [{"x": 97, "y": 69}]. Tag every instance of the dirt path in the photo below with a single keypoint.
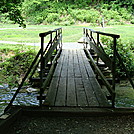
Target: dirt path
[{"x": 74, "y": 125}]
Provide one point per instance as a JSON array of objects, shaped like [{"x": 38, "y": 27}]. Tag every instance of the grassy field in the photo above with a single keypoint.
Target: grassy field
[{"x": 70, "y": 33}]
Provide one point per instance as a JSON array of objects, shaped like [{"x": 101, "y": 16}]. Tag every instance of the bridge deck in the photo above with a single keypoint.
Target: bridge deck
[{"x": 74, "y": 82}]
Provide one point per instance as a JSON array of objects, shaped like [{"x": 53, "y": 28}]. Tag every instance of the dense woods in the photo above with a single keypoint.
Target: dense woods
[{"x": 67, "y": 12}]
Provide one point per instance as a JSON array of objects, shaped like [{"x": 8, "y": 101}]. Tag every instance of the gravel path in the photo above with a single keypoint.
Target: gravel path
[{"x": 74, "y": 125}]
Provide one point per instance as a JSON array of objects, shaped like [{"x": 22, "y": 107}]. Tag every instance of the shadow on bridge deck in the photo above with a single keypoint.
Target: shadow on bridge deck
[{"x": 74, "y": 82}]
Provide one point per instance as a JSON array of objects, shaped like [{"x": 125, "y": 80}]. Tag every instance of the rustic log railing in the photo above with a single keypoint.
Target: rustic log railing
[
  {"x": 96, "y": 45},
  {"x": 42, "y": 58}
]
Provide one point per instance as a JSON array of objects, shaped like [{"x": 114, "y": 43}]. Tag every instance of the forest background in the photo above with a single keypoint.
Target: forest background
[{"x": 67, "y": 12}]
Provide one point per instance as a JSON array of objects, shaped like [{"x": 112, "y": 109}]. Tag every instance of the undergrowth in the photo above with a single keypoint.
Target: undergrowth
[
  {"x": 14, "y": 63},
  {"x": 125, "y": 50}
]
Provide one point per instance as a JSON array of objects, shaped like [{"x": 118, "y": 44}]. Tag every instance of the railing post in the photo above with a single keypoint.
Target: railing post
[
  {"x": 57, "y": 33},
  {"x": 83, "y": 36},
  {"x": 114, "y": 70},
  {"x": 51, "y": 38},
  {"x": 61, "y": 36},
  {"x": 86, "y": 37},
  {"x": 41, "y": 70},
  {"x": 91, "y": 35},
  {"x": 98, "y": 38}
]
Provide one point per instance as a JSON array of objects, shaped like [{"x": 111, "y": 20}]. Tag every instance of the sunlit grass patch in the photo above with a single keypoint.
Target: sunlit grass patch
[{"x": 70, "y": 33}]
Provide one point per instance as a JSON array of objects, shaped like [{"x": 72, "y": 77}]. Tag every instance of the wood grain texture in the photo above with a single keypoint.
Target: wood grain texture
[{"x": 74, "y": 83}]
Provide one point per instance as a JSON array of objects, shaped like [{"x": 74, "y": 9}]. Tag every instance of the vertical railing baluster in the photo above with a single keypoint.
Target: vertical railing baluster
[
  {"x": 56, "y": 39},
  {"x": 98, "y": 38},
  {"x": 114, "y": 70},
  {"x": 41, "y": 70},
  {"x": 86, "y": 37}
]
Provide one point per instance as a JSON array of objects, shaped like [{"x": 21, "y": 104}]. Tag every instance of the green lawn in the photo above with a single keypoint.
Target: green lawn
[
  {"x": 70, "y": 33},
  {"x": 126, "y": 32}
]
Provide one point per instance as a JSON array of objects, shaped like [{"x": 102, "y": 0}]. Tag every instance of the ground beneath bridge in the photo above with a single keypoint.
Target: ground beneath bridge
[{"x": 74, "y": 125}]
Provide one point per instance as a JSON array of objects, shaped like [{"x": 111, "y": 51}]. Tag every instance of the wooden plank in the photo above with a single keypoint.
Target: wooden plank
[
  {"x": 87, "y": 65},
  {"x": 77, "y": 72},
  {"x": 70, "y": 64},
  {"x": 57, "y": 72},
  {"x": 80, "y": 92},
  {"x": 87, "y": 85},
  {"x": 91, "y": 97},
  {"x": 100, "y": 74},
  {"x": 98, "y": 92},
  {"x": 51, "y": 71},
  {"x": 74, "y": 86},
  {"x": 65, "y": 65},
  {"x": 61, "y": 93},
  {"x": 51, "y": 95},
  {"x": 81, "y": 66},
  {"x": 71, "y": 94}
]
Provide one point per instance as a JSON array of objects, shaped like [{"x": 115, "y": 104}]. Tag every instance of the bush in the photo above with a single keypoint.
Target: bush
[
  {"x": 51, "y": 12},
  {"x": 110, "y": 14},
  {"x": 52, "y": 17},
  {"x": 126, "y": 51},
  {"x": 13, "y": 68},
  {"x": 66, "y": 20},
  {"x": 125, "y": 14},
  {"x": 132, "y": 21},
  {"x": 89, "y": 16}
]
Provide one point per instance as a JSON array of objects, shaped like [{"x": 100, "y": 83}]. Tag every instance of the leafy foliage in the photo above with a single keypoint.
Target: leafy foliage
[
  {"x": 14, "y": 63},
  {"x": 126, "y": 51},
  {"x": 53, "y": 11},
  {"x": 12, "y": 10}
]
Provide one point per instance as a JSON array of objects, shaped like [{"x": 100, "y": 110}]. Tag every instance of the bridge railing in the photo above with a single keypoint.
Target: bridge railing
[
  {"x": 96, "y": 45},
  {"x": 42, "y": 58},
  {"x": 46, "y": 56}
]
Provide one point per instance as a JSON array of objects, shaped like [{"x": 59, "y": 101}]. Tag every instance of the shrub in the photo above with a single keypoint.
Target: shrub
[
  {"x": 52, "y": 17},
  {"x": 13, "y": 68},
  {"x": 66, "y": 20},
  {"x": 125, "y": 14},
  {"x": 89, "y": 16},
  {"x": 126, "y": 51},
  {"x": 132, "y": 21},
  {"x": 110, "y": 14}
]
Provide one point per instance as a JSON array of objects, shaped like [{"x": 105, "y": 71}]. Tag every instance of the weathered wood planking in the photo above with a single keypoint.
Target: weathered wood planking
[
  {"x": 87, "y": 84},
  {"x": 74, "y": 82},
  {"x": 71, "y": 92},
  {"x": 61, "y": 92},
  {"x": 52, "y": 92}
]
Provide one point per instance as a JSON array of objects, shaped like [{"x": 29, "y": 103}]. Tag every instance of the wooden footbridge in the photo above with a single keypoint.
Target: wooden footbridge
[
  {"x": 70, "y": 80},
  {"x": 74, "y": 77},
  {"x": 74, "y": 82}
]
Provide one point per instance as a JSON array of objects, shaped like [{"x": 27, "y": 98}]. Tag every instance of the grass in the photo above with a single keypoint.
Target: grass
[
  {"x": 126, "y": 32},
  {"x": 70, "y": 33}
]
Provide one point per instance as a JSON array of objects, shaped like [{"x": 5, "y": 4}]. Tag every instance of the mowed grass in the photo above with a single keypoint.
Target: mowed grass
[
  {"x": 70, "y": 33},
  {"x": 126, "y": 32}
]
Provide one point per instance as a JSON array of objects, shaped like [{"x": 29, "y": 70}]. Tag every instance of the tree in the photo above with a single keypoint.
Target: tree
[{"x": 12, "y": 8}]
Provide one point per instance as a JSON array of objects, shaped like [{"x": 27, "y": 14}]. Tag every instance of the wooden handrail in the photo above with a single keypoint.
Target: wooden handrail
[
  {"x": 49, "y": 32},
  {"x": 102, "y": 33},
  {"x": 88, "y": 33},
  {"x": 44, "y": 59},
  {"x": 36, "y": 61}
]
